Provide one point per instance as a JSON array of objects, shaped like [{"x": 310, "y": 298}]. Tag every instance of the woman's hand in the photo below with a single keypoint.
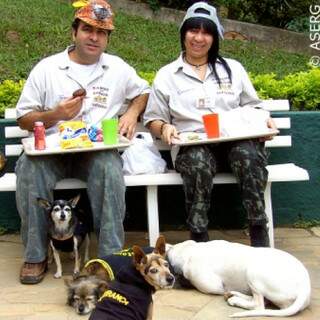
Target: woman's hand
[
  {"x": 271, "y": 125},
  {"x": 169, "y": 131}
]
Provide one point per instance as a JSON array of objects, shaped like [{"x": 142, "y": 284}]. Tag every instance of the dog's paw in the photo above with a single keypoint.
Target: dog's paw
[
  {"x": 232, "y": 301},
  {"x": 57, "y": 275},
  {"x": 227, "y": 295}
]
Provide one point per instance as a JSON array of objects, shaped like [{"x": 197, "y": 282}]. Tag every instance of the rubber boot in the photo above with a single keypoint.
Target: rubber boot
[
  {"x": 199, "y": 236},
  {"x": 259, "y": 235}
]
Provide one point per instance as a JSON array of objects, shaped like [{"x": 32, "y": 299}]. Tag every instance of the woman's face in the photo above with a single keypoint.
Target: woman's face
[{"x": 197, "y": 43}]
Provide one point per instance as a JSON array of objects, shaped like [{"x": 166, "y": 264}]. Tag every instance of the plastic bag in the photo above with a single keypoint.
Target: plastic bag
[{"x": 142, "y": 157}]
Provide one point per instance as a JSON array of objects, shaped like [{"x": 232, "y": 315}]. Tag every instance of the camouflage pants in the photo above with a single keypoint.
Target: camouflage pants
[
  {"x": 198, "y": 165},
  {"x": 37, "y": 176}
]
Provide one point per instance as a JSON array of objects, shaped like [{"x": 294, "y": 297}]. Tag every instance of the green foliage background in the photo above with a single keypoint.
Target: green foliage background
[{"x": 33, "y": 29}]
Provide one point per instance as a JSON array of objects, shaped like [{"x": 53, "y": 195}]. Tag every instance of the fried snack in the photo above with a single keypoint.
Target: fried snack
[
  {"x": 73, "y": 134},
  {"x": 79, "y": 93}
]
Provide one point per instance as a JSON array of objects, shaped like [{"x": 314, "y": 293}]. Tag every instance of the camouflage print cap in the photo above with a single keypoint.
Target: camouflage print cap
[{"x": 97, "y": 13}]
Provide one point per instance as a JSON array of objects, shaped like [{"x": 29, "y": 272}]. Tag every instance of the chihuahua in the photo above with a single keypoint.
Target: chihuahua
[
  {"x": 66, "y": 231},
  {"x": 84, "y": 292},
  {"x": 129, "y": 293}
]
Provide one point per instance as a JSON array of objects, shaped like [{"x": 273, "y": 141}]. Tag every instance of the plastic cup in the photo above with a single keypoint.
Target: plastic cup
[
  {"x": 211, "y": 125},
  {"x": 110, "y": 131}
]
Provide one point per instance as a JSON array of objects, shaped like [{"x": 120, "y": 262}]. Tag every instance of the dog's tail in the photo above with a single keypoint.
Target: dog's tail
[{"x": 301, "y": 302}]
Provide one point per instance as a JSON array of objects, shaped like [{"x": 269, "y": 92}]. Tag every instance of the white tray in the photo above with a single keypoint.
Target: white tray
[
  {"x": 28, "y": 146},
  {"x": 201, "y": 138}
]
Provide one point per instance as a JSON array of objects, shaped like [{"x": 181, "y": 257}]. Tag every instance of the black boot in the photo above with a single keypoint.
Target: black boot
[
  {"x": 259, "y": 235},
  {"x": 199, "y": 236}
]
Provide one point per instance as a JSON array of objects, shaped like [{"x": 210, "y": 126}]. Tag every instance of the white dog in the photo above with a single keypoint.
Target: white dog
[{"x": 245, "y": 275}]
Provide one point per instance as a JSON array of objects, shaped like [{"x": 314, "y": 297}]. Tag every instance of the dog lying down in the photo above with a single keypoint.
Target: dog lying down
[
  {"x": 124, "y": 283},
  {"x": 245, "y": 275}
]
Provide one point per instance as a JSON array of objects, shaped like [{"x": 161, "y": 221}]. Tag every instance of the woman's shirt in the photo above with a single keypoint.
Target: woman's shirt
[{"x": 179, "y": 97}]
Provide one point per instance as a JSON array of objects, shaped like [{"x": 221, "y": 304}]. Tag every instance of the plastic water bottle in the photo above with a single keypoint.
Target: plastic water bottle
[{"x": 39, "y": 136}]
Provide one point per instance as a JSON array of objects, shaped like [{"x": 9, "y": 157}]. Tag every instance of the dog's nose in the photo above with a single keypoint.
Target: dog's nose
[
  {"x": 170, "y": 278},
  {"x": 81, "y": 308},
  {"x": 62, "y": 216}
]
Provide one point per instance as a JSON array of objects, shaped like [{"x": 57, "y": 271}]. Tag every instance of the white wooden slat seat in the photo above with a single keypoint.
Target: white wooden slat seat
[{"x": 277, "y": 172}]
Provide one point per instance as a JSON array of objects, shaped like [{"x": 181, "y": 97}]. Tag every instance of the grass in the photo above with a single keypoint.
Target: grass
[{"x": 33, "y": 29}]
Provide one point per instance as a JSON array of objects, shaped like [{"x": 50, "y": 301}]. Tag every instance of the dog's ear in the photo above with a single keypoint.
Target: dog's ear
[
  {"x": 139, "y": 257},
  {"x": 44, "y": 203},
  {"x": 160, "y": 247},
  {"x": 74, "y": 201}
]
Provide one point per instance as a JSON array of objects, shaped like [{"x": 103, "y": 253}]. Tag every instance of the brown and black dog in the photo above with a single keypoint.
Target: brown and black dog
[{"x": 130, "y": 284}]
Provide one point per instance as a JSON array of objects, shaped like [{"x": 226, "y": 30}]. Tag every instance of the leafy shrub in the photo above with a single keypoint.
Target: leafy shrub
[
  {"x": 149, "y": 76},
  {"x": 301, "y": 88},
  {"x": 9, "y": 94}
]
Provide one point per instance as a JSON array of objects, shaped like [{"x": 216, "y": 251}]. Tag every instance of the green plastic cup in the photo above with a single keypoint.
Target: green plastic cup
[{"x": 110, "y": 131}]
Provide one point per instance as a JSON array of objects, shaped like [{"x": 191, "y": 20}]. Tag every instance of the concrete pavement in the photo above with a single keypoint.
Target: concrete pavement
[{"x": 47, "y": 300}]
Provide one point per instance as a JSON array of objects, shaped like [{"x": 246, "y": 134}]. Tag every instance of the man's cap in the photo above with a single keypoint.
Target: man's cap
[
  {"x": 97, "y": 13},
  {"x": 192, "y": 12}
]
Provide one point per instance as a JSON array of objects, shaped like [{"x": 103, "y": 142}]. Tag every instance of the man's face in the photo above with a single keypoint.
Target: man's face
[{"x": 89, "y": 42}]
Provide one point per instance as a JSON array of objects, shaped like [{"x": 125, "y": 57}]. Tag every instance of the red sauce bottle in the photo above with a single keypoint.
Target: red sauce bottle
[{"x": 39, "y": 135}]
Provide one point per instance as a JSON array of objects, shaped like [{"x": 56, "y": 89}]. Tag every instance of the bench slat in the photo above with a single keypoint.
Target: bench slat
[
  {"x": 276, "y": 105},
  {"x": 10, "y": 113},
  {"x": 282, "y": 123},
  {"x": 277, "y": 173},
  {"x": 15, "y": 132},
  {"x": 13, "y": 150}
]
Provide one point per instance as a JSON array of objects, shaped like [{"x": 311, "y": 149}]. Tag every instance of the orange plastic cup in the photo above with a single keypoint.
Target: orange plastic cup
[{"x": 211, "y": 125}]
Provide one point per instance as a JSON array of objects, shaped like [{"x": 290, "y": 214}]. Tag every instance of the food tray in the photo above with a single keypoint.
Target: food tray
[
  {"x": 28, "y": 146},
  {"x": 194, "y": 138}
]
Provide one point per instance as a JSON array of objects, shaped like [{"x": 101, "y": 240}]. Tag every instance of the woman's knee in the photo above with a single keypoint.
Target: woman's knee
[{"x": 196, "y": 160}]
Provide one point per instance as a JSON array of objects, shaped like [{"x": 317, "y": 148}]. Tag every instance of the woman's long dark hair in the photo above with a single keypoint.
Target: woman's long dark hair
[{"x": 213, "y": 54}]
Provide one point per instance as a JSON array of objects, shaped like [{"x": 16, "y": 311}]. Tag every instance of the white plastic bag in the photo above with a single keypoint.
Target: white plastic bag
[{"x": 142, "y": 157}]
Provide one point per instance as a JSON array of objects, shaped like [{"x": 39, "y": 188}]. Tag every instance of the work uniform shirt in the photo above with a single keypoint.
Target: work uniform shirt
[
  {"x": 111, "y": 83},
  {"x": 179, "y": 97}
]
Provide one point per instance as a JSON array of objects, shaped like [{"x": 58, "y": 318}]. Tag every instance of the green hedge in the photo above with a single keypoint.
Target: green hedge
[
  {"x": 9, "y": 94},
  {"x": 301, "y": 89}
]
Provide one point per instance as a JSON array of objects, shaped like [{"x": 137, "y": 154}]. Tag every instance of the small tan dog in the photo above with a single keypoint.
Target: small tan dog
[
  {"x": 132, "y": 275},
  {"x": 129, "y": 296},
  {"x": 84, "y": 293}
]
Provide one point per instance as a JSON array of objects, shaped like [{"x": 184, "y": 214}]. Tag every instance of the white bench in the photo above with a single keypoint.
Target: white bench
[{"x": 277, "y": 173}]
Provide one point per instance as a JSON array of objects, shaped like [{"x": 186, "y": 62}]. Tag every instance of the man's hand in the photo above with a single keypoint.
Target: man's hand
[
  {"x": 128, "y": 123},
  {"x": 67, "y": 109},
  {"x": 271, "y": 125}
]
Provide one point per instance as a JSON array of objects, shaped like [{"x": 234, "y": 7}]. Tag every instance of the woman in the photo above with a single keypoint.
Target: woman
[{"x": 199, "y": 82}]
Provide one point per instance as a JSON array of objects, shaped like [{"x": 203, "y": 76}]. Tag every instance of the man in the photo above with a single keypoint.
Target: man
[{"x": 47, "y": 96}]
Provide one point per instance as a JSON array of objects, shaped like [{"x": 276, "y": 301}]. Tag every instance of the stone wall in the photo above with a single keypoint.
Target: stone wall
[{"x": 268, "y": 36}]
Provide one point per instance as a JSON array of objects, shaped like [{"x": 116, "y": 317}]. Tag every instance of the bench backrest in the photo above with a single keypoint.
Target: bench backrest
[{"x": 13, "y": 132}]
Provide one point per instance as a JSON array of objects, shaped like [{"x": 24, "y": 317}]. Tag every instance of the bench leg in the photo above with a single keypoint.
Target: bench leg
[
  {"x": 153, "y": 214},
  {"x": 268, "y": 204}
]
